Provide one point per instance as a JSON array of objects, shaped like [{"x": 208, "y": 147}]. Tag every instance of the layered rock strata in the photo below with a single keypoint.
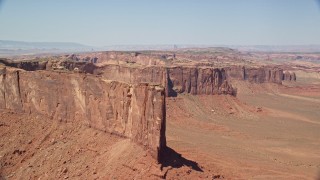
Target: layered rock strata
[
  {"x": 255, "y": 75},
  {"x": 133, "y": 111},
  {"x": 191, "y": 80},
  {"x": 175, "y": 79}
]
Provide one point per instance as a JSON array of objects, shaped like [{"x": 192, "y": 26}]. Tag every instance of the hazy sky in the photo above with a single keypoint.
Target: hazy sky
[{"x": 207, "y": 22}]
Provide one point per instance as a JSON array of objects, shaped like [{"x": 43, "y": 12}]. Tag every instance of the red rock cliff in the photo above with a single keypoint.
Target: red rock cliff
[
  {"x": 191, "y": 80},
  {"x": 133, "y": 111},
  {"x": 255, "y": 75},
  {"x": 289, "y": 76}
]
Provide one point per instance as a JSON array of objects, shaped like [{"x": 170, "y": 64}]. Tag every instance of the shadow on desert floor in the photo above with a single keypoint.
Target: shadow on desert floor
[{"x": 171, "y": 158}]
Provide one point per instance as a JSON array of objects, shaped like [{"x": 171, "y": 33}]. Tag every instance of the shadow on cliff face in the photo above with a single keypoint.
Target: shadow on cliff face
[
  {"x": 171, "y": 158},
  {"x": 171, "y": 92}
]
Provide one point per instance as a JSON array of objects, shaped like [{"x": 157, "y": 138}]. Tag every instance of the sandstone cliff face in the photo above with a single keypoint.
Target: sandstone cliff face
[
  {"x": 191, "y": 80},
  {"x": 69, "y": 64},
  {"x": 255, "y": 75},
  {"x": 177, "y": 79},
  {"x": 133, "y": 111},
  {"x": 132, "y": 74},
  {"x": 289, "y": 76},
  {"x": 198, "y": 80},
  {"x": 117, "y": 57}
]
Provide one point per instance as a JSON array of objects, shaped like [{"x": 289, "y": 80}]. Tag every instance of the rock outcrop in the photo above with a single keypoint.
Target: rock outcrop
[
  {"x": 195, "y": 81},
  {"x": 68, "y": 64},
  {"x": 255, "y": 75},
  {"x": 26, "y": 65},
  {"x": 289, "y": 76},
  {"x": 176, "y": 80},
  {"x": 133, "y": 111}
]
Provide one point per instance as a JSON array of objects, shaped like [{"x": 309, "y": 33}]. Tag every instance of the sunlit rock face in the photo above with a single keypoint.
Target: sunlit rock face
[{"x": 132, "y": 111}]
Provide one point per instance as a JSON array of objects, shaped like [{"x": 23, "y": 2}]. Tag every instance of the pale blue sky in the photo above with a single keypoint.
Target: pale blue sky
[{"x": 206, "y": 22}]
